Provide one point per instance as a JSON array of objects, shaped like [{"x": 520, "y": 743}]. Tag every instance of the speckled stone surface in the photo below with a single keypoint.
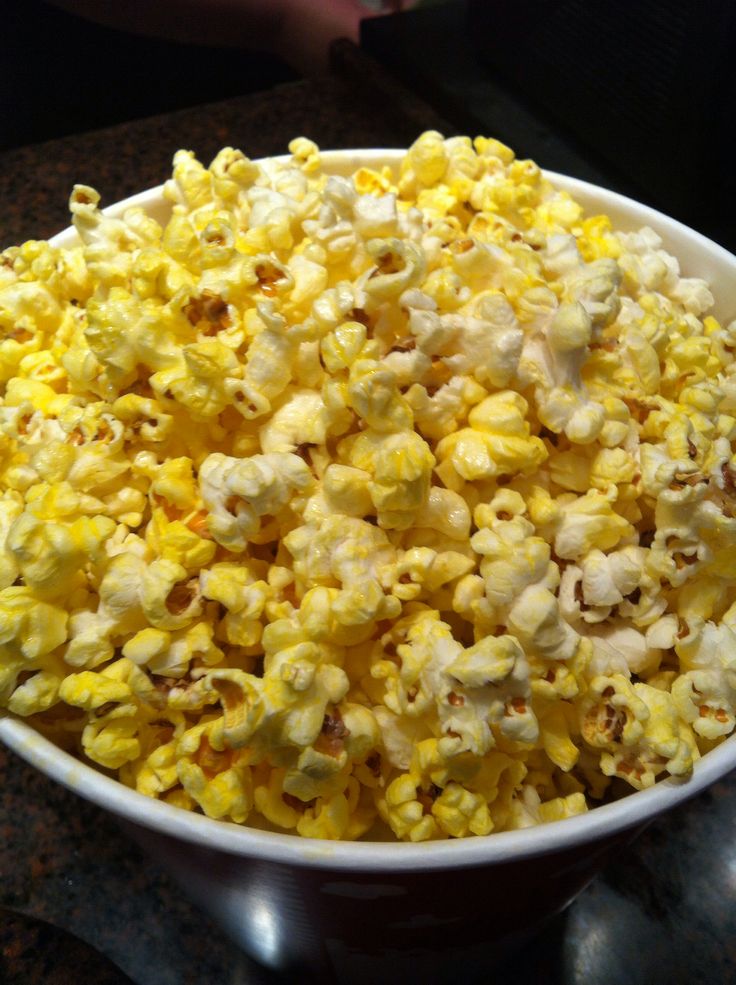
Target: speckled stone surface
[
  {"x": 664, "y": 913},
  {"x": 35, "y": 949},
  {"x": 64, "y": 861}
]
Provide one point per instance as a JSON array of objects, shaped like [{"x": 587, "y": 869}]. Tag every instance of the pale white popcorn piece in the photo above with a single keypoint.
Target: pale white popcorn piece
[{"x": 238, "y": 492}]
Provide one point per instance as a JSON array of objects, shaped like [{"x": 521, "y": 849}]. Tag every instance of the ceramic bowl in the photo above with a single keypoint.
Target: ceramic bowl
[{"x": 373, "y": 911}]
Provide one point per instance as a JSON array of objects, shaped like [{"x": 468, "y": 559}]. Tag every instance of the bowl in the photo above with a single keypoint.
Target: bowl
[{"x": 367, "y": 911}]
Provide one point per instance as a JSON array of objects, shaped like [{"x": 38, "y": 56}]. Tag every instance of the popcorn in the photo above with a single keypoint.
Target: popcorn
[
  {"x": 35, "y": 695},
  {"x": 639, "y": 730},
  {"x": 705, "y": 699},
  {"x": 30, "y": 628},
  {"x": 90, "y": 691},
  {"x": 385, "y": 504},
  {"x": 215, "y": 779},
  {"x": 237, "y": 492},
  {"x": 112, "y": 742},
  {"x": 498, "y": 441},
  {"x": 400, "y": 467}
]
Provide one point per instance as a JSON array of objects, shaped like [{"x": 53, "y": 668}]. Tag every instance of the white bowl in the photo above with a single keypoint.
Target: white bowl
[{"x": 368, "y": 911}]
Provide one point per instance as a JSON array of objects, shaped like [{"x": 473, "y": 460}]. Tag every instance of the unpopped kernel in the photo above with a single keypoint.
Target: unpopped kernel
[{"x": 400, "y": 499}]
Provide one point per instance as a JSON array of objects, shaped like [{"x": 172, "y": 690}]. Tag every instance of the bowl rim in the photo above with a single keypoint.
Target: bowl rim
[{"x": 635, "y": 809}]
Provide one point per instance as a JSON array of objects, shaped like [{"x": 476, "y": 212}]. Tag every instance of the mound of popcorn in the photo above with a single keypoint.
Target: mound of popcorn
[{"x": 399, "y": 502}]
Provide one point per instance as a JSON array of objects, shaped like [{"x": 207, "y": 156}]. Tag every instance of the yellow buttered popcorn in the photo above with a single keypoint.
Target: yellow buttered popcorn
[{"x": 398, "y": 503}]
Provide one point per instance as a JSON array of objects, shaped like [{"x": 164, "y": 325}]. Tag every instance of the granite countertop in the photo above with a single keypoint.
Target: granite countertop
[{"x": 664, "y": 912}]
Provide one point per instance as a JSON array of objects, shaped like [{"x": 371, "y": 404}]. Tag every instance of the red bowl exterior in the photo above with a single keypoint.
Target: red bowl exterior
[{"x": 381, "y": 926}]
